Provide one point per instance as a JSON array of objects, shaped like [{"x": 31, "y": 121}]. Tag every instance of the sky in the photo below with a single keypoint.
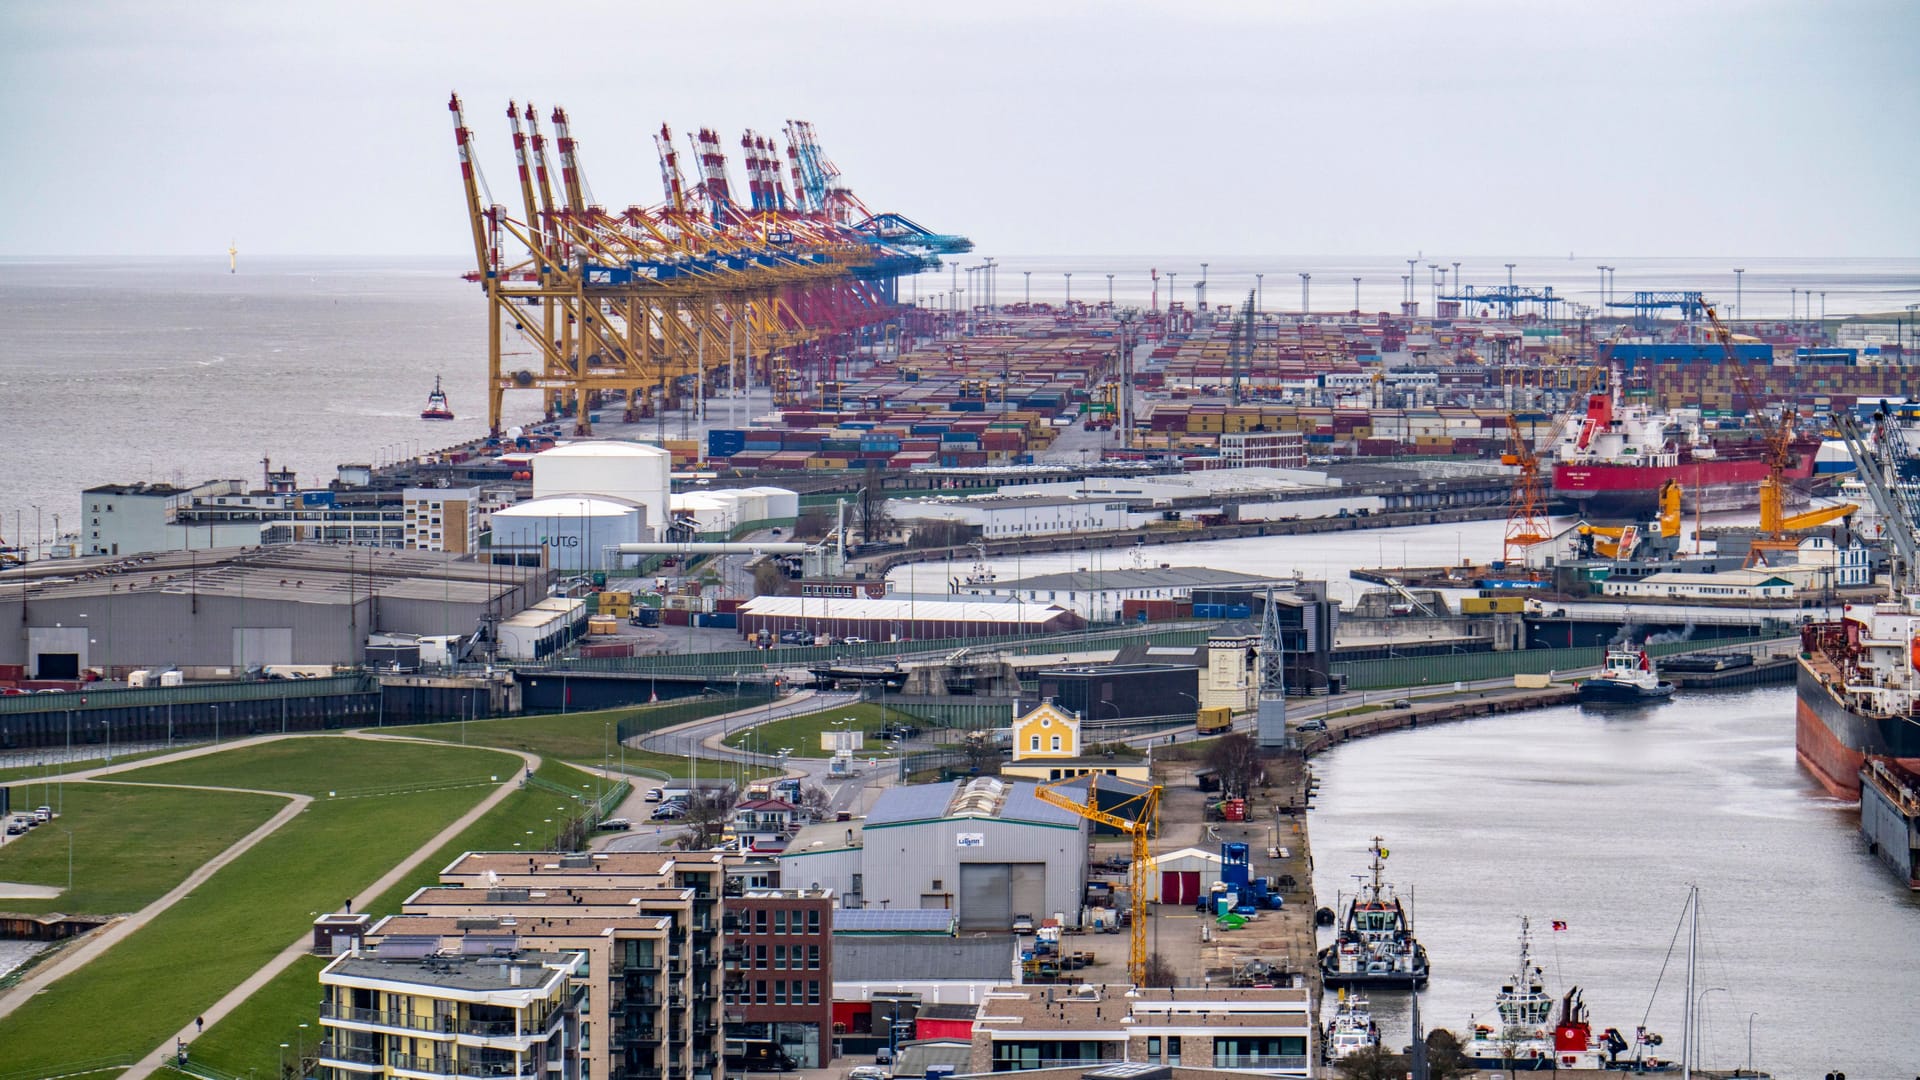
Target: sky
[{"x": 1229, "y": 128}]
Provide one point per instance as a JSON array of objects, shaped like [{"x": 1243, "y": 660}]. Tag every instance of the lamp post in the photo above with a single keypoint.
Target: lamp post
[
  {"x": 1750, "y": 1017},
  {"x": 1305, "y": 297},
  {"x": 1699, "y": 1003},
  {"x": 108, "y": 725},
  {"x": 1738, "y": 271},
  {"x": 1260, "y": 291},
  {"x": 283, "y": 1060},
  {"x": 1356, "y": 296},
  {"x": 1068, "y": 274},
  {"x": 1109, "y": 292},
  {"x": 1028, "y": 275}
]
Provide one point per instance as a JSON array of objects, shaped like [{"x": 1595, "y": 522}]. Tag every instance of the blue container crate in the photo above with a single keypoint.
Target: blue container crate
[{"x": 722, "y": 442}]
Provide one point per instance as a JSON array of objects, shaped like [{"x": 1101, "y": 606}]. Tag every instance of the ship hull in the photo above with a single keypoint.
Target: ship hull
[
  {"x": 1635, "y": 489},
  {"x": 1617, "y": 692},
  {"x": 1833, "y": 741},
  {"x": 1892, "y": 831}
]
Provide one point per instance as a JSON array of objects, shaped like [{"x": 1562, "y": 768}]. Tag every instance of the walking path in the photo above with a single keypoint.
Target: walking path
[
  {"x": 114, "y": 932},
  {"x": 303, "y": 945}
]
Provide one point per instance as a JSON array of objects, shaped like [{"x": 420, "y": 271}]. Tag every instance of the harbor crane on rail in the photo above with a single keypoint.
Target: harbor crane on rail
[{"x": 1137, "y": 817}]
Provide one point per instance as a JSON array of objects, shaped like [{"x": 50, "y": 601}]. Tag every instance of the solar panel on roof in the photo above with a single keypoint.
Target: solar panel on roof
[{"x": 893, "y": 920}]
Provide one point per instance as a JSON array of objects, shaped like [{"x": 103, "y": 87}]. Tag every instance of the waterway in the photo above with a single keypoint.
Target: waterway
[{"x": 1601, "y": 820}]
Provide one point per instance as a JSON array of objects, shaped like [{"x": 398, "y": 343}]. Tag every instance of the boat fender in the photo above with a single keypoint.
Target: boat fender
[{"x": 1913, "y": 654}]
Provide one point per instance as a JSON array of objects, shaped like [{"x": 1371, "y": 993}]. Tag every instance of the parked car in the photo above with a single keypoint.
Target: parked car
[
  {"x": 43, "y": 813},
  {"x": 655, "y": 795},
  {"x": 1023, "y": 924},
  {"x": 1402, "y": 703},
  {"x": 853, "y": 641},
  {"x": 1313, "y": 725},
  {"x": 617, "y": 824},
  {"x": 15, "y": 826},
  {"x": 667, "y": 812}
]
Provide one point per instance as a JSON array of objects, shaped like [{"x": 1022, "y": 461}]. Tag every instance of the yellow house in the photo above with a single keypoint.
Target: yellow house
[
  {"x": 1048, "y": 731},
  {"x": 1046, "y": 746}
]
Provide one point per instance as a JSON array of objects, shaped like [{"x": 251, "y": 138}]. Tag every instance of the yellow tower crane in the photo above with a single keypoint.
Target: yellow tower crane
[{"x": 1136, "y": 816}]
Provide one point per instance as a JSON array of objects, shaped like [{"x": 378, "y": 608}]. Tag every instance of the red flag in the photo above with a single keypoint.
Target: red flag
[{"x": 1558, "y": 925}]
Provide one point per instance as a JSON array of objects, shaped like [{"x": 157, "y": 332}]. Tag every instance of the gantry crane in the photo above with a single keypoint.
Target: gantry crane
[
  {"x": 1137, "y": 816},
  {"x": 641, "y": 301}
]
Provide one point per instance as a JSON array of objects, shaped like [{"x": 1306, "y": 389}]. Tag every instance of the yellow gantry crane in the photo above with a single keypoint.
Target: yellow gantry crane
[{"x": 1137, "y": 816}]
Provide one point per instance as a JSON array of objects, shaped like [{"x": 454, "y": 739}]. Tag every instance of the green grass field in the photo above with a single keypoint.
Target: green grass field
[
  {"x": 130, "y": 844},
  {"x": 171, "y": 970},
  {"x": 582, "y": 738},
  {"x": 250, "y": 1037},
  {"x": 333, "y": 763},
  {"x": 802, "y": 733}
]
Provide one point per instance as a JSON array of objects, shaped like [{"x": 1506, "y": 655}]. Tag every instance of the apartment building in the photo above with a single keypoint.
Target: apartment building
[
  {"x": 646, "y": 924},
  {"x": 442, "y": 519},
  {"x": 1210, "y": 1030},
  {"x": 490, "y": 1011},
  {"x": 777, "y": 952}
]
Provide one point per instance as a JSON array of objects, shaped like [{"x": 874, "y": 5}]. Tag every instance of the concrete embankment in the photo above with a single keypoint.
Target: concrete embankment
[{"x": 1485, "y": 703}]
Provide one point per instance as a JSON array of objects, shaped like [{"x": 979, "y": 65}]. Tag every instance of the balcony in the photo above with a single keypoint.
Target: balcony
[
  {"x": 463, "y": 1067},
  {"x": 441, "y": 1025},
  {"x": 345, "y": 1055},
  {"x": 638, "y": 1036},
  {"x": 648, "y": 962},
  {"x": 645, "y": 999},
  {"x": 1260, "y": 1061}
]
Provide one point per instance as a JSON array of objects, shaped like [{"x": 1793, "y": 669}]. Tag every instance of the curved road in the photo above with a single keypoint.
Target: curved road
[{"x": 117, "y": 931}]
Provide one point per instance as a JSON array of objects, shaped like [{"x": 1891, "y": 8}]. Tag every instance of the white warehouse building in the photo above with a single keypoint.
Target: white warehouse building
[
  {"x": 985, "y": 849},
  {"x": 999, "y": 516},
  {"x": 636, "y": 472},
  {"x": 579, "y": 532}
]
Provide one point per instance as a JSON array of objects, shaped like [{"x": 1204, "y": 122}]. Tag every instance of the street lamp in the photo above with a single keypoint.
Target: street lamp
[
  {"x": 109, "y": 728},
  {"x": 1109, "y": 292},
  {"x": 1750, "y": 1017},
  {"x": 1356, "y": 296},
  {"x": 1260, "y": 289},
  {"x": 1699, "y": 1003},
  {"x": 283, "y": 1059}
]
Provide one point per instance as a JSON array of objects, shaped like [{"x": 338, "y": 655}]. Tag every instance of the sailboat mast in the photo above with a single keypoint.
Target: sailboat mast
[{"x": 1693, "y": 950}]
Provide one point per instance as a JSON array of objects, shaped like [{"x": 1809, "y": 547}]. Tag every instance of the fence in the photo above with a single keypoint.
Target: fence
[
  {"x": 189, "y": 694},
  {"x": 1469, "y": 667},
  {"x": 652, "y": 718}
]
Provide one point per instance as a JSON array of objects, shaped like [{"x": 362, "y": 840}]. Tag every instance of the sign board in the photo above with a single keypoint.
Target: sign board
[{"x": 970, "y": 839}]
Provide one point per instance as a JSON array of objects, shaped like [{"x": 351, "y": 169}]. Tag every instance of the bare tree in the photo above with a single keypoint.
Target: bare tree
[
  {"x": 706, "y": 818},
  {"x": 940, "y": 533},
  {"x": 1158, "y": 973},
  {"x": 812, "y": 524},
  {"x": 872, "y": 507},
  {"x": 1373, "y": 1063},
  {"x": 1235, "y": 759},
  {"x": 815, "y": 800},
  {"x": 768, "y": 578},
  {"x": 1445, "y": 1059}
]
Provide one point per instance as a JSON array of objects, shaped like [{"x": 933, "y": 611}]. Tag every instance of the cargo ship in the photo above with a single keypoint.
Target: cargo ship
[
  {"x": 1890, "y": 817},
  {"x": 1859, "y": 693},
  {"x": 1614, "y": 460}
]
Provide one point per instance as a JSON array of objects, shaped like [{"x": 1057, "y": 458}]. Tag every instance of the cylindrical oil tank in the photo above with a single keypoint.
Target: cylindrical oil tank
[
  {"x": 578, "y": 531},
  {"x": 637, "y": 472}
]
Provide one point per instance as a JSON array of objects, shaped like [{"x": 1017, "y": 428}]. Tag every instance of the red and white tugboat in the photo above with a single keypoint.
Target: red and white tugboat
[{"x": 436, "y": 404}]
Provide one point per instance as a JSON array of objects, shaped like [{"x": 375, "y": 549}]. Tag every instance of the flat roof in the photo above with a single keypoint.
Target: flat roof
[
  {"x": 1152, "y": 577},
  {"x": 302, "y": 573},
  {"x": 814, "y": 607},
  {"x": 474, "y": 973},
  {"x": 894, "y": 921},
  {"x": 911, "y": 958}
]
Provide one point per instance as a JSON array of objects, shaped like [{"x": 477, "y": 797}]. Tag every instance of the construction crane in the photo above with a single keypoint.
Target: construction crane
[
  {"x": 1777, "y": 438},
  {"x": 1875, "y": 461},
  {"x": 1241, "y": 345},
  {"x": 1138, "y": 817},
  {"x": 1526, "y": 508}
]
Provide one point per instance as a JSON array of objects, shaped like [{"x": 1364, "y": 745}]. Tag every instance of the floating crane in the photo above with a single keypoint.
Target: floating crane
[{"x": 1138, "y": 817}]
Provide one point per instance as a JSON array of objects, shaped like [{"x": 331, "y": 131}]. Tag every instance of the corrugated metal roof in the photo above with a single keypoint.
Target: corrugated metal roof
[
  {"x": 1158, "y": 577},
  {"x": 891, "y": 959},
  {"x": 934, "y": 802},
  {"x": 893, "y": 921},
  {"x": 909, "y": 610}
]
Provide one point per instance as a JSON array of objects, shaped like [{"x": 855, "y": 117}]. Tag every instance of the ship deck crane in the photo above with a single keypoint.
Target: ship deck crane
[
  {"x": 1137, "y": 817},
  {"x": 1883, "y": 487}
]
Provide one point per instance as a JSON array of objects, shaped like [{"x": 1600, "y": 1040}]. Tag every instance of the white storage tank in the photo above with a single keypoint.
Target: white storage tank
[
  {"x": 781, "y": 504},
  {"x": 709, "y": 514},
  {"x": 576, "y": 530},
  {"x": 637, "y": 472}
]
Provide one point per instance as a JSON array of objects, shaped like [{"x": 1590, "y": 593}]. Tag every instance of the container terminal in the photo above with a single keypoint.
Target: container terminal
[{"x": 632, "y": 546}]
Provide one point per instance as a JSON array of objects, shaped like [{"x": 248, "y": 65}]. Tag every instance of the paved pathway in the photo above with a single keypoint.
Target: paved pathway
[{"x": 303, "y": 945}]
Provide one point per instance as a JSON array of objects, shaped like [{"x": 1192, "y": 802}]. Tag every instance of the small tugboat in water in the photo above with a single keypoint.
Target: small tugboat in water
[
  {"x": 1352, "y": 1028},
  {"x": 1628, "y": 678},
  {"x": 436, "y": 404},
  {"x": 1375, "y": 945},
  {"x": 1524, "y": 1043}
]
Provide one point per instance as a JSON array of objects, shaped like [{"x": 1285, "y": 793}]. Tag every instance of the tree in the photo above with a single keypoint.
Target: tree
[
  {"x": 1158, "y": 973},
  {"x": 1373, "y": 1063},
  {"x": 939, "y": 533},
  {"x": 815, "y": 800},
  {"x": 1445, "y": 1059},
  {"x": 768, "y": 578},
  {"x": 812, "y": 524},
  {"x": 872, "y": 508},
  {"x": 706, "y": 818},
  {"x": 1235, "y": 759},
  {"x": 983, "y": 757}
]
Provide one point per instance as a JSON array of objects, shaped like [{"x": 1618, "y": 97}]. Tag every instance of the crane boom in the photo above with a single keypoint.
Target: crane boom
[{"x": 1139, "y": 828}]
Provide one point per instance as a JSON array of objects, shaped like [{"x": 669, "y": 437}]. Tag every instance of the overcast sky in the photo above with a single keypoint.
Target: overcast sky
[{"x": 1337, "y": 127}]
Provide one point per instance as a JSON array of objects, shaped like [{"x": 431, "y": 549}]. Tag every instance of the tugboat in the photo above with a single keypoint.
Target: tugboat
[
  {"x": 436, "y": 404},
  {"x": 1524, "y": 1043},
  {"x": 1627, "y": 679},
  {"x": 1375, "y": 945},
  {"x": 1351, "y": 1030}
]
